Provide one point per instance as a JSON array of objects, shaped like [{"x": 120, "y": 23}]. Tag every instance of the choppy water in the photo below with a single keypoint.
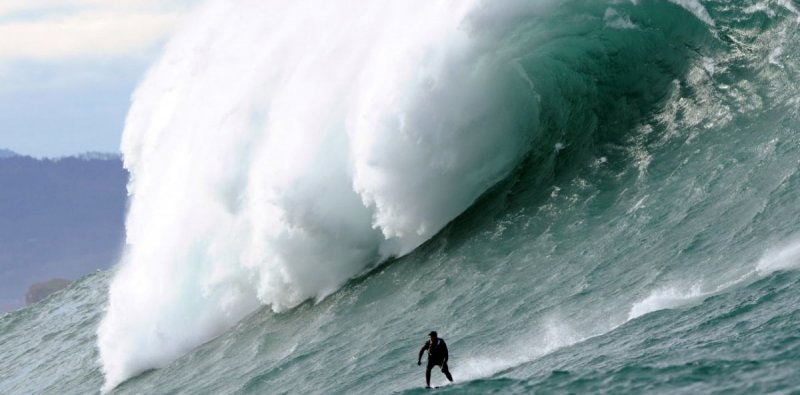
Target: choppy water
[{"x": 635, "y": 166}]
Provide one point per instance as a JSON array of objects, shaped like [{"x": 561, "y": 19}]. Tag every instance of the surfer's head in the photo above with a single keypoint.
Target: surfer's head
[{"x": 433, "y": 335}]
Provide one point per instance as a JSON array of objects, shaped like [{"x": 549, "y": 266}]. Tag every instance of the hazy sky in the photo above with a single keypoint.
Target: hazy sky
[{"x": 69, "y": 67}]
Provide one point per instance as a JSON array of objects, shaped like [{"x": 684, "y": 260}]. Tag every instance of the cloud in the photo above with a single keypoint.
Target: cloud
[
  {"x": 11, "y": 7},
  {"x": 86, "y": 34},
  {"x": 67, "y": 68},
  {"x": 47, "y": 30}
]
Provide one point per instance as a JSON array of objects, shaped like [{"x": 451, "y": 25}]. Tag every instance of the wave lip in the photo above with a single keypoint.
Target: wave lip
[
  {"x": 782, "y": 257},
  {"x": 696, "y": 8},
  {"x": 786, "y": 257},
  {"x": 667, "y": 298}
]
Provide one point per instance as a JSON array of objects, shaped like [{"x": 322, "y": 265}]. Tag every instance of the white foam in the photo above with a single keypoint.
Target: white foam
[
  {"x": 786, "y": 257},
  {"x": 696, "y": 8},
  {"x": 777, "y": 52},
  {"x": 775, "y": 55},
  {"x": 554, "y": 334},
  {"x": 788, "y": 5},
  {"x": 667, "y": 298},
  {"x": 760, "y": 7},
  {"x": 474, "y": 368},
  {"x": 709, "y": 65},
  {"x": 764, "y": 7},
  {"x": 682, "y": 295},
  {"x": 638, "y": 205},
  {"x": 279, "y": 148},
  {"x": 615, "y": 20}
]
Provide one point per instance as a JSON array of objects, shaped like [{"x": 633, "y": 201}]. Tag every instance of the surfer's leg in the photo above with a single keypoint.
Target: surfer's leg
[
  {"x": 446, "y": 372},
  {"x": 428, "y": 375}
]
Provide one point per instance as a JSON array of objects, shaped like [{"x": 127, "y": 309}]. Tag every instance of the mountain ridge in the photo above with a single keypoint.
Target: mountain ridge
[{"x": 61, "y": 218}]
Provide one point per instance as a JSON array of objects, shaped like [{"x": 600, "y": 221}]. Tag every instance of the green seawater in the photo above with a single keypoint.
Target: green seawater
[{"x": 647, "y": 243}]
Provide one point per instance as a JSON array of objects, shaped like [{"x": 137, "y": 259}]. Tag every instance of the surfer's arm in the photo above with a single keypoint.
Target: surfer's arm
[
  {"x": 446, "y": 354},
  {"x": 422, "y": 351}
]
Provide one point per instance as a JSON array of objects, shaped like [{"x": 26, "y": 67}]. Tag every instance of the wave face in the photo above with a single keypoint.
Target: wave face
[{"x": 568, "y": 166}]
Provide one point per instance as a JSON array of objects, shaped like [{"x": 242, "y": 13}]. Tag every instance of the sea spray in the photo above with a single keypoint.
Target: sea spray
[{"x": 278, "y": 149}]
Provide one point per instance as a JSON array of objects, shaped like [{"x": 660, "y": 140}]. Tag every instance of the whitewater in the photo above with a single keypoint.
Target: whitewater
[{"x": 579, "y": 196}]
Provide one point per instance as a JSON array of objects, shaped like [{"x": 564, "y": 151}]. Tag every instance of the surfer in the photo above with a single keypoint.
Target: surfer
[{"x": 437, "y": 356}]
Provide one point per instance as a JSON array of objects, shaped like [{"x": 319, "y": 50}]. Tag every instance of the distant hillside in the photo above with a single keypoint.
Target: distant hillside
[
  {"x": 39, "y": 291},
  {"x": 59, "y": 218},
  {"x": 4, "y": 153}
]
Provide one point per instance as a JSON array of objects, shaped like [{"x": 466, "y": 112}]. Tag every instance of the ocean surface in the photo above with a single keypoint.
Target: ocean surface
[{"x": 579, "y": 196}]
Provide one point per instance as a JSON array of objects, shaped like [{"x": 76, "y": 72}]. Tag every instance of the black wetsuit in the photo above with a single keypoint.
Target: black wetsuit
[{"x": 437, "y": 356}]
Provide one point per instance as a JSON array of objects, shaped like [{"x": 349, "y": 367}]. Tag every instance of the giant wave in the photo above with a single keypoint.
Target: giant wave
[{"x": 279, "y": 149}]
